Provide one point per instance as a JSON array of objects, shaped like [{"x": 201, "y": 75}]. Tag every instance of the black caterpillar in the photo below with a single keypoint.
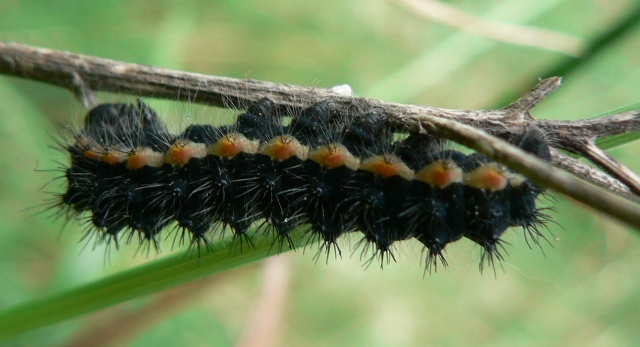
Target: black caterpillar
[{"x": 322, "y": 171}]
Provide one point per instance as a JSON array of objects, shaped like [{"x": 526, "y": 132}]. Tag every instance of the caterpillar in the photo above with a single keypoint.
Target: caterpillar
[{"x": 130, "y": 178}]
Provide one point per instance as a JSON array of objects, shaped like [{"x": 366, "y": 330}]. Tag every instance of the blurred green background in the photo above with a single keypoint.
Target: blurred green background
[{"x": 583, "y": 291}]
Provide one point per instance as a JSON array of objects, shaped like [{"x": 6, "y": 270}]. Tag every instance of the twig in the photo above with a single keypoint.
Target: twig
[
  {"x": 613, "y": 166},
  {"x": 581, "y": 139},
  {"x": 477, "y": 129},
  {"x": 587, "y": 173}
]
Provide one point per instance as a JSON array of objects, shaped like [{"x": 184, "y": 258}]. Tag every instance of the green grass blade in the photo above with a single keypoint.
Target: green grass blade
[
  {"x": 617, "y": 140},
  {"x": 597, "y": 45},
  {"x": 621, "y": 139},
  {"x": 131, "y": 284},
  {"x": 617, "y": 31}
]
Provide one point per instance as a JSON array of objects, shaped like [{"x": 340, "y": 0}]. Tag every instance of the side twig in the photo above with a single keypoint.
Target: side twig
[{"x": 482, "y": 130}]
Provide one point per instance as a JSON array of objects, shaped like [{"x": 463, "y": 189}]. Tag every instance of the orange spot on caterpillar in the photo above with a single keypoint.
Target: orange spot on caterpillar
[
  {"x": 114, "y": 156},
  {"x": 233, "y": 144},
  {"x": 284, "y": 147},
  {"x": 88, "y": 150},
  {"x": 334, "y": 155},
  {"x": 145, "y": 156},
  {"x": 487, "y": 177},
  {"x": 440, "y": 174},
  {"x": 387, "y": 165},
  {"x": 182, "y": 151},
  {"x": 92, "y": 154}
]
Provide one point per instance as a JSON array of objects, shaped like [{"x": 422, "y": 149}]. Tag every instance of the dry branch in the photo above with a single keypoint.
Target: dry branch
[{"x": 482, "y": 130}]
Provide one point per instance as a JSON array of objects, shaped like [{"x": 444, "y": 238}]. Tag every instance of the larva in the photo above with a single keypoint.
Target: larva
[{"x": 132, "y": 178}]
